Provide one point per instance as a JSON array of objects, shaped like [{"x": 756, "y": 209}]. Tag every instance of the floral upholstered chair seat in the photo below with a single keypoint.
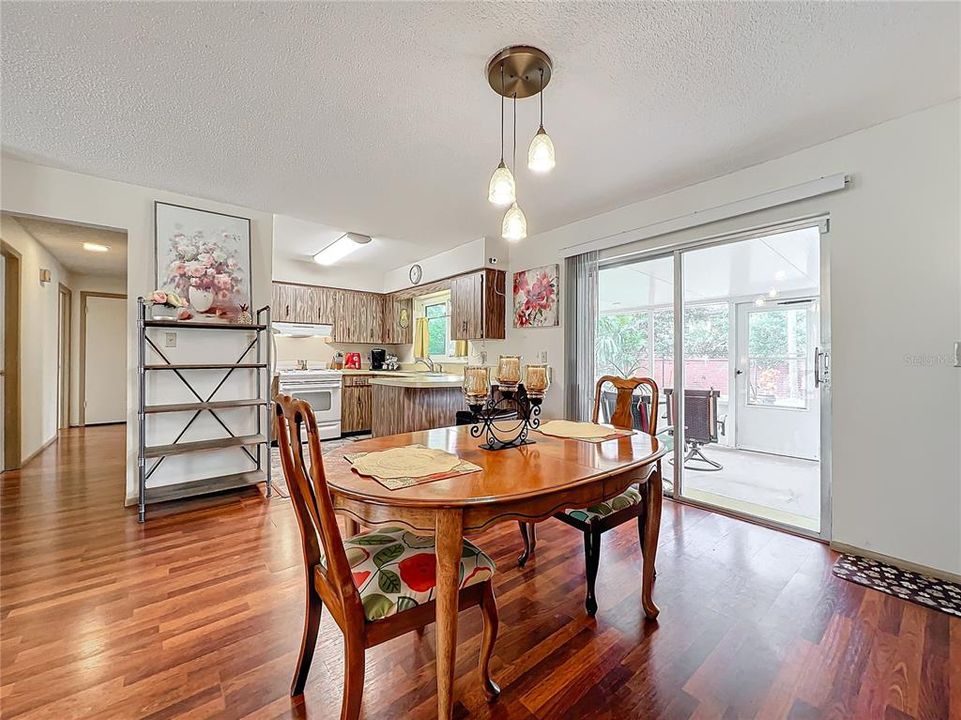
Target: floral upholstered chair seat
[
  {"x": 631, "y": 496},
  {"x": 395, "y": 570}
]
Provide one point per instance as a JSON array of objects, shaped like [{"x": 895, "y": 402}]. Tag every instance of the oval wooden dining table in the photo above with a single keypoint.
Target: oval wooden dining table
[{"x": 528, "y": 483}]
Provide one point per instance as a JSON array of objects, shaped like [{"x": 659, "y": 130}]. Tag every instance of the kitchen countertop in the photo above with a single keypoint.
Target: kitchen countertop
[{"x": 421, "y": 381}]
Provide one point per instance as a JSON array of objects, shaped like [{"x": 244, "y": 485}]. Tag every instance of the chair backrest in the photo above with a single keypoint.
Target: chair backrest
[
  {"x": 322, "y": 543},
  {"x": 630, "y": 411},
  {"x": 700, "y": 414}
]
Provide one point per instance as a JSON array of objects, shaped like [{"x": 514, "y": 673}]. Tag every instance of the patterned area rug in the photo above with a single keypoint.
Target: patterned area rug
[
  {"x": 922, "y": 589},
  {"x": 277, "y": 481}
]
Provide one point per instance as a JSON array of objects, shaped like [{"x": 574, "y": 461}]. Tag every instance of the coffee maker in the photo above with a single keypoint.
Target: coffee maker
[{"x": 377, "y": 358}]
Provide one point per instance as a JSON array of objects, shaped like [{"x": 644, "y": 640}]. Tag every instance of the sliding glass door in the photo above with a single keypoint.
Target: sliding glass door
[{"x": 742, "y": 409}]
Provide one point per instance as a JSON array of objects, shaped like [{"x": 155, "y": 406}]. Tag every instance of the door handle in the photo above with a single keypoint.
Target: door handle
[{"x": 738, "y": 372}]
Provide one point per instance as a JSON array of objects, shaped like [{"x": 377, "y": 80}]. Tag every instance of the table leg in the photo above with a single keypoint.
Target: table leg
[
  {"x": 652, "y": 496},
  {"x": 351, "y": 527},
  {"x": 449, "y": 530}
]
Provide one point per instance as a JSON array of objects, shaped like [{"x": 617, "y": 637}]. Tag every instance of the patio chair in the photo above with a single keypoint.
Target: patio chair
[{"x": 701, "y": 425}]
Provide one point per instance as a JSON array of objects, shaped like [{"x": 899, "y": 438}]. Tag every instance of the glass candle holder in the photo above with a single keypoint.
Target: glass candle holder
[
  {"x": 536, "y": 380},
  {"x": 477, "y": 384},
  {"x": 508, "y": 372}
]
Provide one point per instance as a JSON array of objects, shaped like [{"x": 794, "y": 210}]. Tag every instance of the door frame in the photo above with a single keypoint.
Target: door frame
[
  {"x": 84, "y": 294},
  {"x": 11, "y": 358},
  {"x": 677, "y": 251},
  {"x": 64, "y": 346}
]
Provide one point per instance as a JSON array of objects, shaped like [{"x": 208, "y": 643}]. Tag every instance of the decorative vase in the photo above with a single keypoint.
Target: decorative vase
[{"x": 202, "y": 300}]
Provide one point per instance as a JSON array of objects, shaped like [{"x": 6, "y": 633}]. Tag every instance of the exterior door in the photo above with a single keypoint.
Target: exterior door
[
  {"x": 105, "y": 360},
  {"x": 778, "y": 401}
]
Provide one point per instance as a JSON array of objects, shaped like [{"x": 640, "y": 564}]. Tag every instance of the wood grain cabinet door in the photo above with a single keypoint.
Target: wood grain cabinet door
[
  {"x": 323, "y": 302},
  {"x": 466, "y": 307},
  {"x": 356, "y": 404},
  {"x": 292, "y": 303}
]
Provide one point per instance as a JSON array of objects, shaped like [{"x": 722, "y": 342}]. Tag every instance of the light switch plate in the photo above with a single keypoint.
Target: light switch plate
[{"x": 170, "y": 339}]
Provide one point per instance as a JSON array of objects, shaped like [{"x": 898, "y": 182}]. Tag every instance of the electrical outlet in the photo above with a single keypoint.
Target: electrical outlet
[{"x": 170, "y": 339}]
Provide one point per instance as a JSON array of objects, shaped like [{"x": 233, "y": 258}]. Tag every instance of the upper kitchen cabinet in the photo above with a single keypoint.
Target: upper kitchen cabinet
[
  {"x": 303, "y": 304},
  {"x": 478, "y": 304},
  {"x": 291, "y": 303},
  {"x": 360, "y": 318},
  {"x": 398, "y": 319}
]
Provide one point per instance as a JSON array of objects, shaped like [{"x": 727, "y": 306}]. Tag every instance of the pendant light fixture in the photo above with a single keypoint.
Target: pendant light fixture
[
  {"x": 514, "y": 226},
  {"x": 540, "y": 155},
  {"x": 519, "y": 71},
  {"x": 501, "y": 190}
]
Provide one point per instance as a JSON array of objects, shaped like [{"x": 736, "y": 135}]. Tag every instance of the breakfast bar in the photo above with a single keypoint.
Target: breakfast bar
[{"x": 409, "y": 403}]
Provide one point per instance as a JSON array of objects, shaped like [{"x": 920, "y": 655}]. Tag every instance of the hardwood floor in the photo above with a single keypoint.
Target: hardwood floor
[{"x": 197, "y": 614}]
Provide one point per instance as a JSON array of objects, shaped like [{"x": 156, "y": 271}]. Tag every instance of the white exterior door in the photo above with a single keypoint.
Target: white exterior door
[
  {"x": 105, "y": 361},
  {"x": 778, "y": 402}
]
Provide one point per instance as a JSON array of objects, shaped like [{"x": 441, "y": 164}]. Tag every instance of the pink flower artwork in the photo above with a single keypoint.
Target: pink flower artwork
[
  {"x": 535, "y": 297},
  {"x": 204, "y": 253}
]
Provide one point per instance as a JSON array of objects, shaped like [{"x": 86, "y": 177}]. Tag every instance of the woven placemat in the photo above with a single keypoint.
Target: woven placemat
[
  {"x": 614, "y": 433},
  {"x": 463, "y": 468}
]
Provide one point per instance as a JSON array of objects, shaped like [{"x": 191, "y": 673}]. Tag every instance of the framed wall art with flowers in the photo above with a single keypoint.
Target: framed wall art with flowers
[
  {"x": 535, "y": 297},
  {"x": 204, "y": 257}
]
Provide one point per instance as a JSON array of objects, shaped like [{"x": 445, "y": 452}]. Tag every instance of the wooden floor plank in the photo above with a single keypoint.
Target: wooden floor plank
[{"x": 198, "y": 613}]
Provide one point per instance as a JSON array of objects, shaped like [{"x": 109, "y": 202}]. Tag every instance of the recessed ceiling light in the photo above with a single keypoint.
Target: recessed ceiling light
[
  {"x": 95, "y": 247},
  {"x": 340, "y": 248}
]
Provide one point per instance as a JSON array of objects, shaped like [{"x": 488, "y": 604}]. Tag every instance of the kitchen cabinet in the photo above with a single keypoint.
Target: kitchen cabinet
[
  {"x": 303, "y": 303},
  {"x": 394, "y": 333},
  {"x": 360, "y": 318},
  {"x": 478, "y": 304},
  {"x": 356, "y": 406},
  {"x": 290, "y": 303}
]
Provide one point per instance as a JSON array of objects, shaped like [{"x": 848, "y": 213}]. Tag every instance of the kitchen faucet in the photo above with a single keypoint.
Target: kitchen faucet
[{"x": 427, "y": 361}]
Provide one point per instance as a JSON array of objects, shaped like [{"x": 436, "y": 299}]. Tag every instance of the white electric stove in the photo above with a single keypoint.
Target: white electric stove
[{"x": 320, "y": 388}]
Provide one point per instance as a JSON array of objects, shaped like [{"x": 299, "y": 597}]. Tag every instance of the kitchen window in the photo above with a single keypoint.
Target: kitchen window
[{"x": 436, "y": 309}]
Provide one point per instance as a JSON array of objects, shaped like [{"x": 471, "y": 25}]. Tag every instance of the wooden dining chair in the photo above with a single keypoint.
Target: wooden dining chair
[
  {"x": 630, "y": 412},
  {"x": 376, "y": 585}
]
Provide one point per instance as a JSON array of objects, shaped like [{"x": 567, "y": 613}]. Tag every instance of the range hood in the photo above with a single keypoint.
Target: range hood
[{"x": 301, "y": 330}]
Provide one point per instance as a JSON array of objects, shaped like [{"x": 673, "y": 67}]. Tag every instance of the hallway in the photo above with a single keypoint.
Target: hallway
[{"x": 198, "y": 613}]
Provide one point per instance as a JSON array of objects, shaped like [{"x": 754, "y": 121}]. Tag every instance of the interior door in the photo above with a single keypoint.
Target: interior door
[
  {"x": 778, "y": 401},
  {"x": 105, "y": 360}
]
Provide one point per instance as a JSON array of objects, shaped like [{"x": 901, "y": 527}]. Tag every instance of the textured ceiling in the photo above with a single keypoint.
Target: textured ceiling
[
  {"x": 377, "y": 117},
  {"x": 65, "y": 242}
]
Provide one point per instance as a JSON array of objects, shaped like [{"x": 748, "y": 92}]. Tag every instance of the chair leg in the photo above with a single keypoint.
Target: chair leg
[
  {"x": 641, "y": 527},
  {"x": 528, "y": 535},
  {"x": 309, "y": 640},
  {"x": 353, "y": 676},
  {"x": 592, "y": 553},
  {"x": 491, "y": 622}
]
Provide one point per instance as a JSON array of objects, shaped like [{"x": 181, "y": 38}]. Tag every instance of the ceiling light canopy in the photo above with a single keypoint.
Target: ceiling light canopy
[
  {"x": 519, "y": 71},
  {"x": 341, "y": 248},
  {"x": 95, "y": 247}
]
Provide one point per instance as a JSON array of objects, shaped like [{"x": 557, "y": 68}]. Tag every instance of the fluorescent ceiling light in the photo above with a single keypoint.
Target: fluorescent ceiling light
[
  {"x": 95, "y": 247},
  {"x": 340, "y": 248}
]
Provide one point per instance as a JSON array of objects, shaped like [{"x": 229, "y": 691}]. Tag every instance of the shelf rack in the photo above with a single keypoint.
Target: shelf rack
[{"x": 260, "y": 363}]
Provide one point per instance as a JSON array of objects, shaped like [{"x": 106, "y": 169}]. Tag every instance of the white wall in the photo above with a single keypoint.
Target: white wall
[
  {"x": 61, "y": 195},
  {"x": 39, "y": 324},
  {"x": 113, "y": 284},
  {"x": 895, "y": 284},
  {"x": 463, "y": 258}
]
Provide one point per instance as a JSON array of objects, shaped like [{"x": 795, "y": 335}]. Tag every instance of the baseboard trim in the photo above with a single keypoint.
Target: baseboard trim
[
  {"x": 39, "y": 450},
  {"x": 897, "y": 562}
]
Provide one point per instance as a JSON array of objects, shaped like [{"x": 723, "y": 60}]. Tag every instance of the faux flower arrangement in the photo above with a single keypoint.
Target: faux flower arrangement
[
  {"x": 166, "y": 299},
  {"x": 205, "y": 271},
  {"x": 540, "y": 297}
]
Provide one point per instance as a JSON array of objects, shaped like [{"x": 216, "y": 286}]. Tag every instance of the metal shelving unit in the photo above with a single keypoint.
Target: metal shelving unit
[{"x": 260, "y": 440}]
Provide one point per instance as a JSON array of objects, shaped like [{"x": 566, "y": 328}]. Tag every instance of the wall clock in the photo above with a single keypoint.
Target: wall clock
[{"x": 416, "y": 273}]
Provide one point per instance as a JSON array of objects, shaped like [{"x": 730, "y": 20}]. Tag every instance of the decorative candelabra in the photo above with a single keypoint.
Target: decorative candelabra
[{"x": 488, "y": 413}]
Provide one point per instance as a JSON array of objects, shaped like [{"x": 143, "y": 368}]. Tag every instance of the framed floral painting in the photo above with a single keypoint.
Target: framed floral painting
[
  {"x": 535, "y": 297},
  {"x": 203, "y": 256}
]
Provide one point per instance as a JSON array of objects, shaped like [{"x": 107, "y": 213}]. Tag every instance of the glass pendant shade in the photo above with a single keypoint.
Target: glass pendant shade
[
  {"x": 540, "y": 155},
  {"x": 501, "y": 188},
  {"x": 514, "y": 227}
]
